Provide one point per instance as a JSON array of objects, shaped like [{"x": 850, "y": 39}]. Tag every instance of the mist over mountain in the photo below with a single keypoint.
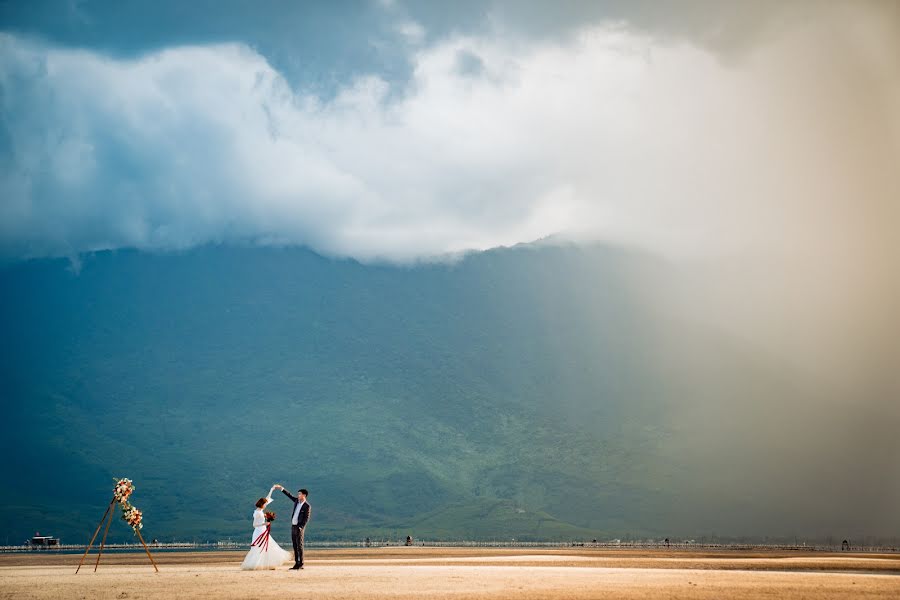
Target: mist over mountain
[{"x": 535, "y": 392}]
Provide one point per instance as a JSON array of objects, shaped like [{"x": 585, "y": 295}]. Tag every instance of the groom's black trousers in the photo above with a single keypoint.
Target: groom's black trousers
[{"x": 297, "y": 541}]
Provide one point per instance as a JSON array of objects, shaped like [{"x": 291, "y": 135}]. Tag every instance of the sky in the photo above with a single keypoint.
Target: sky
[
  {"x": 758, "y": 144},
  {"x": 755, "y": 147}
]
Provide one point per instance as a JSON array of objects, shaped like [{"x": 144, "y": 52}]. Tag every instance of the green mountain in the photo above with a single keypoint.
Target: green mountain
[{"x": 530, "y": 393}]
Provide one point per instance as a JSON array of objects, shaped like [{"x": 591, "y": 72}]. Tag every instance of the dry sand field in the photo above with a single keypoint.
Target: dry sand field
[{"x": 461, "y": 573}]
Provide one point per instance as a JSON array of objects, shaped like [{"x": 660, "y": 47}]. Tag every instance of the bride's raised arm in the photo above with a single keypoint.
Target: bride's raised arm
[{"x": 269, "y": 497}]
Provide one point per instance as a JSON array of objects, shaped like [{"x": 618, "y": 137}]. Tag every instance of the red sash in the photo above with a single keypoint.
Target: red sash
[{"x": 263, "y": 539}]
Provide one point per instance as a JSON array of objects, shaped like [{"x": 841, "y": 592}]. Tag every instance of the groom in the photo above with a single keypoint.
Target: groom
[{"x": 299, "y": 519}]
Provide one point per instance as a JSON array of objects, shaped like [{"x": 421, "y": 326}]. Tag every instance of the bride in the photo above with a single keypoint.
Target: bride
[{"x": 264, "y": 553}]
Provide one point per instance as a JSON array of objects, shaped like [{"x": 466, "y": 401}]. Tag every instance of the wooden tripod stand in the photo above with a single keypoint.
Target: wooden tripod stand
[{"x": 108, "y": 518}]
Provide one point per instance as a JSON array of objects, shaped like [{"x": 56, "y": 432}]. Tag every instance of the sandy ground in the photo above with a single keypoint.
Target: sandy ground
[{"x": 460, "y": 573}]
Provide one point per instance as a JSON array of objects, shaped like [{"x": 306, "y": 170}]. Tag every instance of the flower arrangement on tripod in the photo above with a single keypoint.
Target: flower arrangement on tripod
[
  {"x": 133, "y": 516},
  {"x": 123, "y": 489},
  {"x": 130, "y": 514}
]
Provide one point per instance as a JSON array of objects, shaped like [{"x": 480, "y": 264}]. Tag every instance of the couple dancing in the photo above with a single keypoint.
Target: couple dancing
[{"x": 265, "y": 553}]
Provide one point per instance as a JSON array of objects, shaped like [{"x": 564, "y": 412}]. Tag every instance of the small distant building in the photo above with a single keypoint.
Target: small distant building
[
  {"x": 44, "y": 541},
  {"x": 409, "y": 540}
]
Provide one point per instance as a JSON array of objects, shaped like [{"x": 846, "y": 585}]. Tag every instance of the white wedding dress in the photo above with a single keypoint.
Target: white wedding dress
[{"x": 264, "y": 552}]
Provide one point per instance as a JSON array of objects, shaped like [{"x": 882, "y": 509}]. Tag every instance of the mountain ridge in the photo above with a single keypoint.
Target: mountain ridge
[{"x": 531, "y": 392}]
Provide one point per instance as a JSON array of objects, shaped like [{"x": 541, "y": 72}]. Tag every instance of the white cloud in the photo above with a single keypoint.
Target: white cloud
[
  {"x": 610, "y": 135},
  {"x": 412, "y": 32}
]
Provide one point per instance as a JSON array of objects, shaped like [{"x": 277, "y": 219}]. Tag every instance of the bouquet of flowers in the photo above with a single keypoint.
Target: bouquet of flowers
[
  {"x": 133, "y": 516},
  {"x": 270, "y": 516},
  {"x": 124, "y": 488}
]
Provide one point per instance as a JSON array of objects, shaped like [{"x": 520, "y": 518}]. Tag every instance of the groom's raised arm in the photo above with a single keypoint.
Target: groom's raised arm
[{"x": 288, "y": 494}]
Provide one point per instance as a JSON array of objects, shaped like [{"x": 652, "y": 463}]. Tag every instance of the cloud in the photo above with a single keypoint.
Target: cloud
[
  {"x": 609, "y": 134},
  {"x": 412, "y": 32}
]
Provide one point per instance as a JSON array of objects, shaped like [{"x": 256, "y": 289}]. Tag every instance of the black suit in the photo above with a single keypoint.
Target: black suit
[{"x": 298, "y": 529}]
